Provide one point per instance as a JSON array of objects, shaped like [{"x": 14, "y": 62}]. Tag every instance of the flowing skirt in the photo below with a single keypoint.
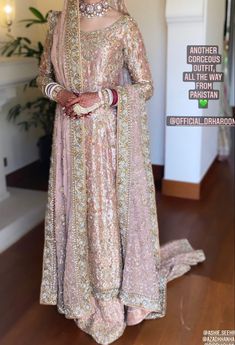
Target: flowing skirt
[{"x": 105, "y": 315}]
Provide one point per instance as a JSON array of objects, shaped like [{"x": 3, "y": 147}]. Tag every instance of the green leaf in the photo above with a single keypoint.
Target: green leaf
[
  {"x": 40, "y": 46},
  {"x": 37, "y": 13},
  {"x": 14, "y": 112},
  {"x": 29, "y": 20},
  {"x": 26, "y": 40},
  {"x": 24, "y": 125},
  {"x": 33, "y": 23},
  {"x": 10, "y": 53},
  {"x": 46, "y": 16}
]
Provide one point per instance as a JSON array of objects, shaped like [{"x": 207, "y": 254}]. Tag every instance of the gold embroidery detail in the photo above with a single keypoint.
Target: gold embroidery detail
[
  {"x": 46, "y": 71},
  {"x": 48, "y": 292},
  {"x": 72, "y": 46}
]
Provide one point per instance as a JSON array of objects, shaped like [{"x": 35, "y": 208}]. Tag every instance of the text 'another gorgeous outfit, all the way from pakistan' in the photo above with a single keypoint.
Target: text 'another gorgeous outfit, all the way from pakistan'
[{"x": 103, "y": 265}]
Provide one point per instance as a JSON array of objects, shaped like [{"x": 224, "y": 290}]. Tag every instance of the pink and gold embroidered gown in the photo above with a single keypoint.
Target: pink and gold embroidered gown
[{"x": 102, "y": 264}]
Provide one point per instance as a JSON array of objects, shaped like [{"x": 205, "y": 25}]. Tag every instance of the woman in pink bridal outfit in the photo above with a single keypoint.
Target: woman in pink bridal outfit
[{"x": 102, "y": 263}]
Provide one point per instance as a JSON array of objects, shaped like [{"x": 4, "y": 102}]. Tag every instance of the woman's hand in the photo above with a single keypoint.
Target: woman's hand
[
  {"x": 86, "y": 99},
  {"x": 65, "y": 96}
]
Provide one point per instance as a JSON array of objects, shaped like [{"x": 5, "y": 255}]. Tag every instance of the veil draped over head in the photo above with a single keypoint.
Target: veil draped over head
[{"x": 119, "y": 5}]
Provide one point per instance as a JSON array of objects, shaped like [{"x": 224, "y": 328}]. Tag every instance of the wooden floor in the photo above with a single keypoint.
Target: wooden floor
[{"x": 203, "y": 299}]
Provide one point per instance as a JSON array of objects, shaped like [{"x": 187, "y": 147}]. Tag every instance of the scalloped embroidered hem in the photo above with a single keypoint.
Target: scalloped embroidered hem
[{"x": 106, "y": 319}]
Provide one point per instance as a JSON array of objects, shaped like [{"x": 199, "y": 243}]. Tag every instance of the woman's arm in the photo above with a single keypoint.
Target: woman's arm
[
  {"x": 46, "y": 79},
  {"x": 46, "y": 73},
  {"x": 136, "y": 60}
]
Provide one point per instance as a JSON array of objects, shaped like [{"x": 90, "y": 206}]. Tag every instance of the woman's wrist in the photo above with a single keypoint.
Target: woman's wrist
[
  {"x": 52, "y": 90},
  {"x": 115, "y": 98},
  {"x": 109, "y": 97}
]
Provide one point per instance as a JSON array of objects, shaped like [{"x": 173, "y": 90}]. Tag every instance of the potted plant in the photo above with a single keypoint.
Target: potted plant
[{"x": 39, "y": 112}]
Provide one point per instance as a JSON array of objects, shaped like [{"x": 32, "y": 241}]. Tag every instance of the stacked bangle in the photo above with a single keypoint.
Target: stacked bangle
[
  {"x": 109, "y": 97},
  {"x": 115, "y": 98},
  {"x": 52, "y": 89},
  {"x": 104, "y": 96}
]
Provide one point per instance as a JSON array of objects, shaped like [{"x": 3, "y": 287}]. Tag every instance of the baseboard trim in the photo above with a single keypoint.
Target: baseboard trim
[
  {"x": 14, "y": 177},
  {"x": 187, "y": 190}
]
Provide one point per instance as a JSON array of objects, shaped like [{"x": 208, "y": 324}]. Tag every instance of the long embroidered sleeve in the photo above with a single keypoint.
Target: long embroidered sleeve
[
  {"x": 46, "y": 72},
  {"x": 136, "y": 61}
]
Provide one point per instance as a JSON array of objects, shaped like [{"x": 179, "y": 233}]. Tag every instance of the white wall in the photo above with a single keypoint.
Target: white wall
[
  {"x": 17, "y": 146},
  {"x": 49, "y": 5},
  {"x": 190, "y": 150},
  {"x": 182, "y": 143}
]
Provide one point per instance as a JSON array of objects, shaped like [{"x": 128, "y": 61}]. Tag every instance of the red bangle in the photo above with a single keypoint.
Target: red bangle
[{"x": 115, "y": 97}]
